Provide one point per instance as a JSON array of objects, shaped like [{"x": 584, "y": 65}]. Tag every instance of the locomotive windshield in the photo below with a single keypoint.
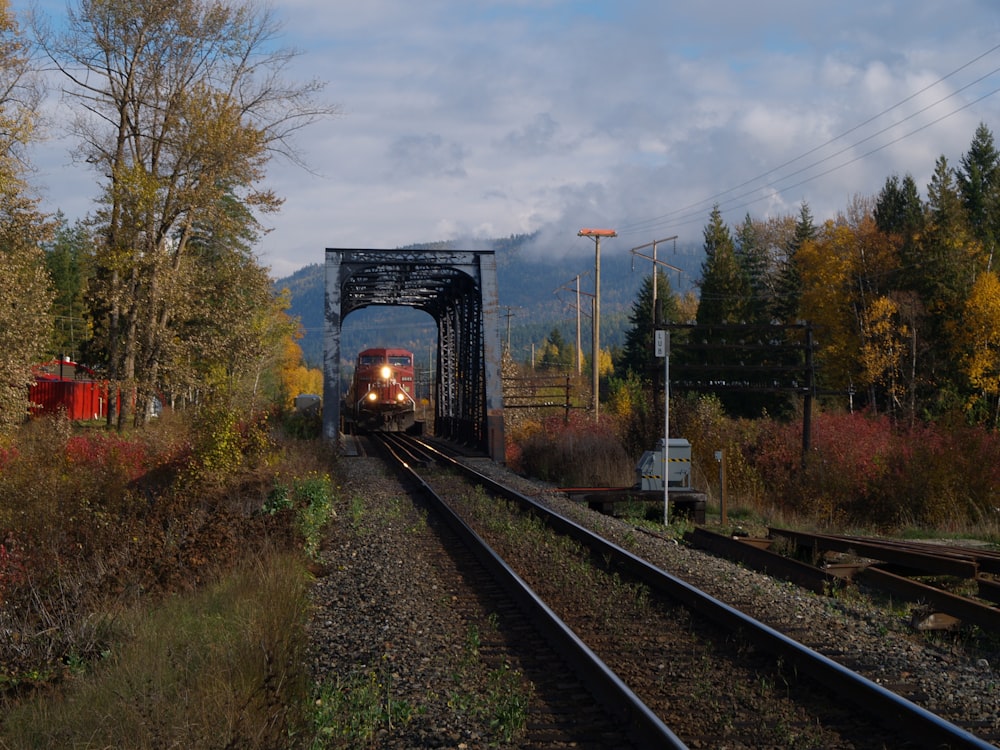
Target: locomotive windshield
[{"x": 396, "y": 360}]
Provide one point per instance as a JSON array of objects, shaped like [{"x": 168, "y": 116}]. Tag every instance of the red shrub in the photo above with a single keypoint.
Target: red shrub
[
  {"x": 848, "y": 455},
  {"x": 866, "y": 471},
  {"x": 778, "y": 454},
  {"x": 577, "y": 452},
  {"x": 126, "y": 458},
  {"x": 857, "y": 445},
  {"x": 945, "y": 475}
]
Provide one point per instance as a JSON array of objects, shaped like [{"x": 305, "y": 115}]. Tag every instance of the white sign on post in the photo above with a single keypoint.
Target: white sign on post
[{"x": 661, "y": 345}]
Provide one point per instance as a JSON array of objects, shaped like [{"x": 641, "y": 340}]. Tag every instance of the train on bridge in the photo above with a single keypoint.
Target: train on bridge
[{"x": 382, "y": 392}]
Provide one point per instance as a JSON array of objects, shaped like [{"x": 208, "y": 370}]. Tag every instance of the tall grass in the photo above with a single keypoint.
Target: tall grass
[
  {"x": 220, "y": 668},
  {"x": 148, "y": 598},
  {"x": 576, "y": 453}
]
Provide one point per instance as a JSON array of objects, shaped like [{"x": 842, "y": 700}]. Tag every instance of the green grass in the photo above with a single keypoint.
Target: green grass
[
  {"x": 506, "y": 703},
  {"x": 350, "y": 712}
]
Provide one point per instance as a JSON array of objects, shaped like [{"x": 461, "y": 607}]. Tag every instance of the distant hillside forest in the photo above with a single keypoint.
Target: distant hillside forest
[{"x": 537, "y": 296}]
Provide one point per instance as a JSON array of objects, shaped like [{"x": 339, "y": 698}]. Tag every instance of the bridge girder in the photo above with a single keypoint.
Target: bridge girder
[{"x": 458, "y": 288}]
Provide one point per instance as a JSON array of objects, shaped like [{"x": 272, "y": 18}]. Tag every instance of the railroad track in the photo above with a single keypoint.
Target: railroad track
[
  {"x": 916, "y": 572},
  {"x": 833, "y": 707},
  {"x": 566, "y": 714}
]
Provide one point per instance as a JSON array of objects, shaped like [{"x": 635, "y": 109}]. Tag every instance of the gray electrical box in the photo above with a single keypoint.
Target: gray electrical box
[{"x": 649, "y": 470}]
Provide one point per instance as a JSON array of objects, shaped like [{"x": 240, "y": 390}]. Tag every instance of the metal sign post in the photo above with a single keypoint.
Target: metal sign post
[
  {"x": 662, "y": 346},
  {"x": 720, "y": 456}
]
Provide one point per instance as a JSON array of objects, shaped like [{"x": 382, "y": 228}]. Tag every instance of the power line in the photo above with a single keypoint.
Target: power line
[
  {"x": 697, "y": 216},
  {"x": 683, "y": 214},
  {"x": 894, "y": 140}
]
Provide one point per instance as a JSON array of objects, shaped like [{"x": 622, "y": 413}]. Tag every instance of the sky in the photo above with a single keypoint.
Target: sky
[{"x": 474, "y": 119}]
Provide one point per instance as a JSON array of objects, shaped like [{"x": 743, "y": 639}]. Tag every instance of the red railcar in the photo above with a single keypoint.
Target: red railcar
[
  {"x": 65, "y": 386},
  {"x": 382, "y": 393}
]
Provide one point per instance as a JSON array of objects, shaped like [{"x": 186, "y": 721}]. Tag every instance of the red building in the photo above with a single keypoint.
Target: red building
[{"x": 62, "y": 385}]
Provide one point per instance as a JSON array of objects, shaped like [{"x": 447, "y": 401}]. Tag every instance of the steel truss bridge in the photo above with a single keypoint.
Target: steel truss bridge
[{"x": 458, "y": 288}]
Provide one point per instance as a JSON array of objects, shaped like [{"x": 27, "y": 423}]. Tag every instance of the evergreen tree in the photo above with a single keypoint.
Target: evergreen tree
[
  {"x": 725, "y": 288},
  {"x": 948, "y": 242},
  {"x": 943, "y": 271},
  {"x": 899, "y": 214},
  {"x": 898, "y": 208},
  {"x": 978, "y": 182},
  {"x": 638, "y": 356},
  {"x": 638, "y": 391},
  {"x": 720, "y": 352},
  {"x": 70, "y": 264},
  {"x": 557, "y": 352},
  {"x": 788, "y": 286},
  {"x": 753, "y": 257}
]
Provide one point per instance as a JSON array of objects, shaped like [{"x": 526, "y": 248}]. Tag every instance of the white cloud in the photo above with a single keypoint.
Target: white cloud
[
  {"x": 422, "y": 157},
  {"x": 504, "y": 116}
]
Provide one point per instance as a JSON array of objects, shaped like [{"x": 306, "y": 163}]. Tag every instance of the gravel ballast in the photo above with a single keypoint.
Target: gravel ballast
[{"x": 383, "y": 609}]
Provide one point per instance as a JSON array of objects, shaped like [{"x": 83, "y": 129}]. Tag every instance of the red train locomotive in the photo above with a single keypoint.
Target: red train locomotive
[{"x": 382, "y": 393}]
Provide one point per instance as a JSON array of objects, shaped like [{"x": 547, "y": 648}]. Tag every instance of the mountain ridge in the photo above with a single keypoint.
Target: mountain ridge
[{"x": 536, "y": 295}]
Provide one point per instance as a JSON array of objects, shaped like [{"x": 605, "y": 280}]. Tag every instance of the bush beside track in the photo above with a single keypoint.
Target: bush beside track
[{"x": 194, "y": 534}]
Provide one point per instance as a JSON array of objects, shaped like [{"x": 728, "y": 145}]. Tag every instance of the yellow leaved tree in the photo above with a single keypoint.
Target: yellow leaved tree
[
  {"x": 981, "y": 340},
  {"x": 297, "y": 378},
  {"x": 826, "y": 266},
  {"x": 884, "y": 346}
]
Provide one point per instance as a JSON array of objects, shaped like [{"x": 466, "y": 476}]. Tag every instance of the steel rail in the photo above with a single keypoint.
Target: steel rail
[
  {"x": 640, "y": 721},
  {"x": 807, "y": 576},
  {"x": 964, "y": 567},
  {"x": 963, "y": 608},
  {"x": 988, "y": 560},
  {"x": 916, "y": 723}
]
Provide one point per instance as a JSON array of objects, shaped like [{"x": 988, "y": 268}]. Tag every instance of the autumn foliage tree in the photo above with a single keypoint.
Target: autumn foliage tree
[
  {"x": 179, "y": 108},
  {"x": 294, "y": 377},
  {"x": 25, "y": 295},
  {"x": 25, "y": 291},
  {"x": 981, "y": 339},
  {"x": 900, "y": 291},
  {"x": 844, "y": 272}
]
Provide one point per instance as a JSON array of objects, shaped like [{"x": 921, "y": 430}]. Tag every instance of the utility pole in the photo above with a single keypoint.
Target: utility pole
[
  {"x": 595, "y": 235},
  {"x": 509, "y": 313},
  {"x": 579, "y": 349},
  {"x": 654, "y": 243},
  {"x": 579, "y": 310},
  {"x": 655, "y": 311}
]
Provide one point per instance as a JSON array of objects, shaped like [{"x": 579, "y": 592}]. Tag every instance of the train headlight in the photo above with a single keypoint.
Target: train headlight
[
  {"x": 400, "y": 397},
  {"x": 372, "y": 396},
  {"x": 386, "y": 372}
]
